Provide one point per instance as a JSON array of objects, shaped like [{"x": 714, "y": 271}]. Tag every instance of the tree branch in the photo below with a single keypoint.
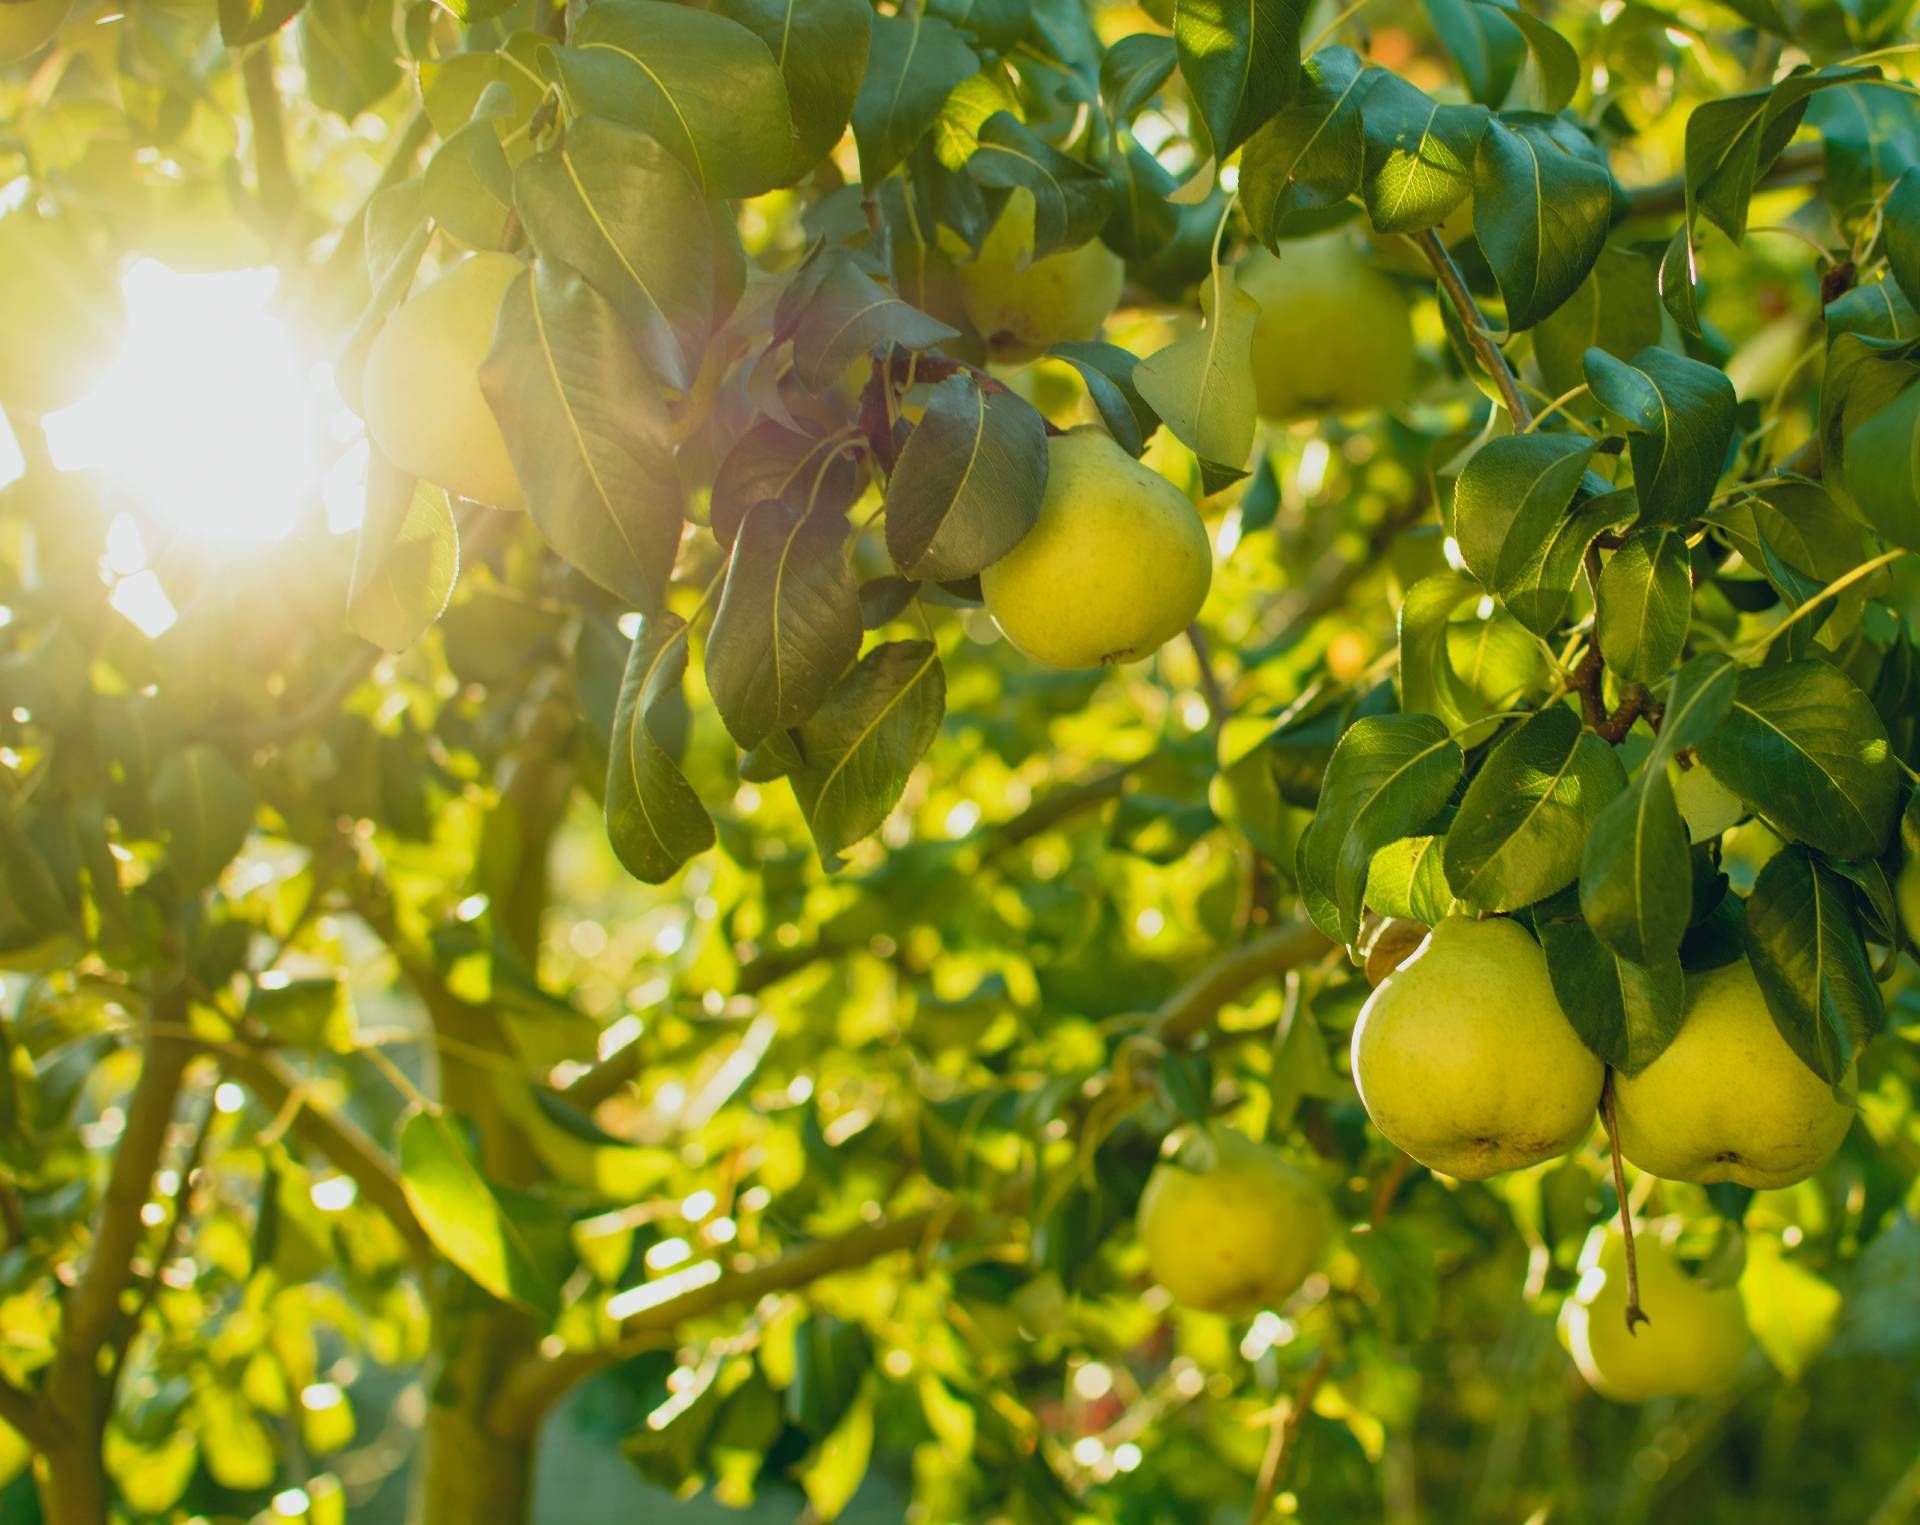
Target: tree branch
[
  {"x": 527, "y": 1393},
  {"x": 273, "y": 176},
  {"x": 1798, "y": 165},
  {"x": 25, "y": 1414},
  {"x": 1478, "y": 336},
  {"x": 1192, "y": 1007}
]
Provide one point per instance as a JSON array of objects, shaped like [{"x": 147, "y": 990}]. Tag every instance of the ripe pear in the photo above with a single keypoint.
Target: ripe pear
[
  {"x": 1022, "y": 306},
  {"x": 62, "y": 318},
  {"x": 1728, "y": 1100},
  {"x": 1334, "y": 334},
  {"x": 1696, "y": 1337},
  {"x": 1708, "y": 806},
  {"x": 1232, "y": 1227},
  {"x": 1464, "y": 1058},
  {"x": 1117, "y": 562},
  {"x": 26, "y": 26},
  {"x": 421, "y": 394}
]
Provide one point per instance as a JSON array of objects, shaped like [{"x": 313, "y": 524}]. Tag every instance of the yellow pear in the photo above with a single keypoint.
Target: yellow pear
[
  {"x": 1696, "y": 1336},
  {"x": 1464, "y": 1058},
  {"x": 1708, "y": 806},
  {"x": 1022, "y": 306},
  {"x": 1232, "y": 1227},
  {"x": 421, "y": 393},
  {"x": 1728, "y": 1100},
  {"x": 26, "y": 26},
  {"x": 61, "y": 314},
  {"x": 1117, "y": 562},
  {"x": 1334, "y": 334}
]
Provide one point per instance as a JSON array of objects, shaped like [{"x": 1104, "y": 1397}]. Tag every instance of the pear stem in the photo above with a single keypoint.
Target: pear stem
[
  {"x": 1479, "y": 337},
  {"x": 1635, "y": 1313}
]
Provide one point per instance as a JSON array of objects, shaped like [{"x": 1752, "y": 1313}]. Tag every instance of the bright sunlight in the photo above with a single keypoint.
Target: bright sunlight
[{"x": 210, "y": 417}]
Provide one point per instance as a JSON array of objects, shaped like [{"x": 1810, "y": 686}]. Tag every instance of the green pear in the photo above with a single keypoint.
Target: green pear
[
  {"x": 26, "y": 26},
  {"x": 1231, "y": 1226},
  {"x": 1695, "y": 1339},
  {"x": 1708, "y": 806},
  {"x": 1728, "y": 1100},
  {"x": 1464, "y": 1058},
  {"x": 1117, "y": 563},
  {"x": 1022, "y": 306},
  {"x": 62, "y": 318},
  {"x": 421, "y": 394},
  {"x": 1334, "y": 335}
]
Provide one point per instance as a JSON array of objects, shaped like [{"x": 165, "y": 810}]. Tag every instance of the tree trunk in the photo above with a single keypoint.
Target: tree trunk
[
  {"x": 73, "y": 1484},
  {"x": 470, "y": 1474}
]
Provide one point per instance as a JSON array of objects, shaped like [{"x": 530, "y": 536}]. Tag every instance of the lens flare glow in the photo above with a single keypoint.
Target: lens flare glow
[{"x": 210, "y": 416}]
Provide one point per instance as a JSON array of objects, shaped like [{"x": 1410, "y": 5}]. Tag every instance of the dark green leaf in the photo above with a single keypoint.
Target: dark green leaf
[
  {"x": 1636, "y": 873},
  {"x": 705, "y": 87},
  {"x": 913, "y": 63},
  {"x": 789, "y": 621},
  {"x": 1644, "y": 604},
  {"x": 1389, "y": 775},
  {"x": 245, "y": 22},
  {"x": 1679, "y": 418},
  {"x": 203, "y": 806},
  {"x": 849, "y": 314},
  {"x": 1555, "y": 58},
  {"x": 1313, "y": 153},
  {"x": 1143, "y": 219},
  {"x": 821, "y": 48},
  {"x": 1541, "y": 556},
  {"x": 1804, "y": 941},
  {"x": 1132, "y": 72},
  {"x": 1805, "y": 748},
  {"x": 1419, "y": 154},
  {"x": 1108, "y": 370},
  {"x": 347, "y": 50},
  {"x": 772, "y": 461},
  {"x": 1883, "y": 469},
  {"x": 654, "y": 819},
  {"x": 1241, "y": 60},
  {"x": 1699, "y": 698},
  {"x": 1512, "y": 478},
  {"x": 968, "y": 485},
  {"x": 615, "y": 205},
  {"x": 468, "y": 188},
  {"x": 864, "y": 741},
  {"x": 1902, "y": 234},
  {"x": 1484, "y": 42},
  {"x": 1070, "y": 199},
  {"x": 1625, "y": 1012},
  {"x": 1524, "y": 819},
  {"x": 588, "y": 433},
  {"x": 1540, "y": 211},
  {"x": 1616, "y": 308}
]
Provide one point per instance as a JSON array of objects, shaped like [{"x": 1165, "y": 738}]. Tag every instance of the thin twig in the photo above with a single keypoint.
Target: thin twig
[
  {"x": 1218, "y": 710},
  {"x": 1474, "y": 322},
  {"x": 1635, "y": 1313}
]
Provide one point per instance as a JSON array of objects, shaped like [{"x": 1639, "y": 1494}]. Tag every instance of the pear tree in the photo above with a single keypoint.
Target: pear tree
[{"x": 1023, "y": 760}]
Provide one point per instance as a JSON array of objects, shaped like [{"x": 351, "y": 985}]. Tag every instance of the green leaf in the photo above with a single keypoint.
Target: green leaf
[
  {"x": 1070, "y": 200},
  {"x": 1313, "y": 153},
  {"x": 968, "y": 485},
  {"x": 468, "y": 188},
  {"x": 1870, "y": 136},
  {"x": 1143, "y": 218},
  {"x": 913, "y": 63},
  {"x": 1419, "y": 154},
  {"x": 1902, "y": 233},
  {"x": 307, "y": 1013},
  {"x": 405, "y": 561},
  {"x": 1484, "y": 42},
  {"x": 1644, "y": 604},
  {"x": 1636, "y": 874},
  {"x": 832, "y": 1474},
  {"x": 1388, "y": 776},
  {"x": 1241, "y": 60},
  {"x": 1554, "y": 57},
  {"x": 849, "y": 314},
  {"x": 821, "y": 49},
  {"x": 654, "y": 819},
  {"x": 1524, "y": 819},
  {"x": 1731, "y": 143},
  {"x": 588, "y": 433},
  {"x": 1883, "y": 469},
  {"x": 1807, "y": 750},
  {"x": 788, "y": 624},
  {"x": 612, "y": 202},
  {"x": 772, "y": 461},
  {"x": 1510, "y": 479},
  {"x": 1408, "y": 878},
  {"x": 1202, "y": 385},
  {"x": 347, "y": 50},
  {"x": 1804, "y": 941},
  {"x": 245, "y": 22},
  {"x": 1540, "y": 212},
  {"x": 1108, "y": 372},
  {"x": 1679, "y": 418},
  {"x": 863, "y": 742},
  {"x": 703, "y": 86},
  {"x": 467, "y": 1219},
  {"x": 203, "y": 807},
  {"x": 1460, "y": 668},
  {"x": 1132, "y": 72},
  {"x": 1679, "y": 276},
  {"x": 1540, "y": 558},
  {"x": 1626, "y": 1013},
  {"x": 1616, "y": 308}
]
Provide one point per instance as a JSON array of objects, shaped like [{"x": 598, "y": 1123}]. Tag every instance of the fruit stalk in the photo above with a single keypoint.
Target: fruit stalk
[
  {"x": 1495, "y": 363},
  {"x": 1635, "y": 1313}
]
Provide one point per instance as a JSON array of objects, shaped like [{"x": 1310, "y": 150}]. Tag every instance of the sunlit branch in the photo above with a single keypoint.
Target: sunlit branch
[{"x": 1474, "y": 322}]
